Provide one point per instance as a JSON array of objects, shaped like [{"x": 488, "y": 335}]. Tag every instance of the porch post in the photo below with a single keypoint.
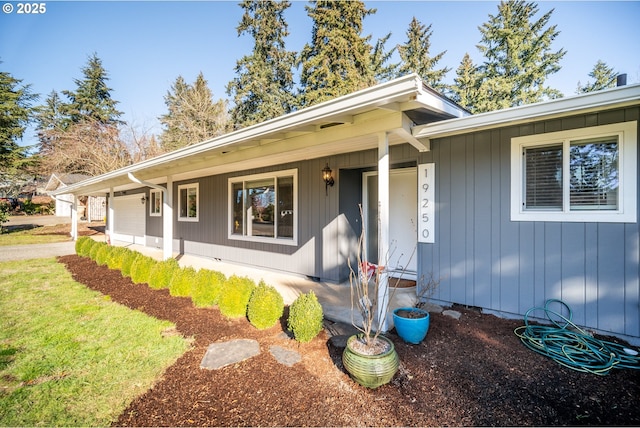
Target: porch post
[
  {"x": 167, "y": 220},
  {"x": 74, "y": 218},
  {"x": 110, "y": 216},
  {"x": 383, "y": 228}
]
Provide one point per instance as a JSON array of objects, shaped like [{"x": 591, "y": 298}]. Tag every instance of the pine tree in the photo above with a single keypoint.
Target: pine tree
[
  {"x": 16, "y": 112},
  {"x": 338, "y": 59},
  {"x": 263, "y": 88},
  {"x": 465, "y": 85},
  {"x": 380, "y": 57},
  {"x": 193, "y": 116},
  {"x": 416, "y": 58},
  {"x": 518, "y": 57},
  {"x": 92, "y": 97},
  {"x": 605, "y": 77}
]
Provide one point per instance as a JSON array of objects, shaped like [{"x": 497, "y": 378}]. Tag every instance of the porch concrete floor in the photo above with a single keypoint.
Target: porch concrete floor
[{"x": 334, "y": 298}]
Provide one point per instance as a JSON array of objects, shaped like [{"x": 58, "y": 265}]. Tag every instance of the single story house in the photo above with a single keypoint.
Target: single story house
[
  {"x": 506, "y": 209},
  {"x": 90, "y": 208}
]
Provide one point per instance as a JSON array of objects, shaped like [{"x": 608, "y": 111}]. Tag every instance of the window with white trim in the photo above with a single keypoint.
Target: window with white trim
[
  {"x": 581, "y": 175},
  {"x": 155, "y": 203},
  {"x": 188, "y": 202},
  {"x": 263, "y": 207}
]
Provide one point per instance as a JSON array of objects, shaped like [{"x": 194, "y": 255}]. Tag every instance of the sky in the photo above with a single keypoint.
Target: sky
[{"x": 146, "y": 45}]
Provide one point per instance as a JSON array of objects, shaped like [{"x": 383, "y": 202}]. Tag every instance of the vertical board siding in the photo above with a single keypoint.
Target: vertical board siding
[{"x": 484, "y": 259}]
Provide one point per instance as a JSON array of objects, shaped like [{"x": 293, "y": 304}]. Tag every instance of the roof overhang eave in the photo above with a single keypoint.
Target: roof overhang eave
[{"x": 595, "y": 101}]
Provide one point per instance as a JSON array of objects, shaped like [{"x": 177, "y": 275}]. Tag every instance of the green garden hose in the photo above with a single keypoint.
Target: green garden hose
[{"x": 572, "y": 347}]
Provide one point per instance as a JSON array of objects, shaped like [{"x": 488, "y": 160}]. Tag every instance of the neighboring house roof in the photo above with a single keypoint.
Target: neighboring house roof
[
  {"x": 393, "y": 107},
  {"x": 58, "y": 180}
]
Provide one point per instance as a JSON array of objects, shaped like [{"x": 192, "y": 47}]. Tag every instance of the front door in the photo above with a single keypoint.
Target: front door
[{"x": 403, "y": 210}]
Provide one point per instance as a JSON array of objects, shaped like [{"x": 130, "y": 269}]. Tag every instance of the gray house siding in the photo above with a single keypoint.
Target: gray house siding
[{"x": 484, "y": 259}]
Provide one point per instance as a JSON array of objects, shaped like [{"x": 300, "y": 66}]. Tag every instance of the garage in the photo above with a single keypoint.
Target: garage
[{"x": 129, "y": 219}]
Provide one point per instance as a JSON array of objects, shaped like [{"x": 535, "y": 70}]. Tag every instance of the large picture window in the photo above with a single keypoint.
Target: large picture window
[
  {"x": 263, "y": 207},
  {"x": 581, "y": 175},
  {"x": 188, "y": 202}
]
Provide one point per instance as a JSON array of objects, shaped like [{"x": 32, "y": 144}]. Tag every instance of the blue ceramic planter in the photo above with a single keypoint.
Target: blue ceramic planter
[{"x": 412, "y": 328}]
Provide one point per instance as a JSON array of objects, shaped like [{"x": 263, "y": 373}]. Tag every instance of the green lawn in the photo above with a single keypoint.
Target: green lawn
[
  {"x": 68, "y": 355},
  {"x": 38, "y": 235}
]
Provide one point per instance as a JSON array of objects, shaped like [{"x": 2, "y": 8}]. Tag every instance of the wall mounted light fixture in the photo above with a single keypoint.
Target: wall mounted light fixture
[
  {"x": 328, "y": 179},
  {"x": 143, "y": 199}
]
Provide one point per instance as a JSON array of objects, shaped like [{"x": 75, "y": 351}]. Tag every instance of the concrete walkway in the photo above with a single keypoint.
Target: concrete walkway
[{"x": 35, "y": 251}]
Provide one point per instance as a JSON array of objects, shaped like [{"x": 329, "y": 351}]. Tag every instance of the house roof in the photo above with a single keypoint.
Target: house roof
[
  {"x": 57, "y": 180},
  {"x": 579, "y": 104},
  {"x": 348, "y": 123}
]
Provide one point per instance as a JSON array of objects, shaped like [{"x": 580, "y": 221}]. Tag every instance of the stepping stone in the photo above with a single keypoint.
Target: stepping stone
[
  {"x": 222, "y": 354},
  {"x": 452, "y": 314},
  {"x": 285, "y": 356}
]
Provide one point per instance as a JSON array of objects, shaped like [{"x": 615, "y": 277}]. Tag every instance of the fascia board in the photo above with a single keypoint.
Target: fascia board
[
  {"x": 398, "y": 89},
  {"x": 626, "y": 95}
]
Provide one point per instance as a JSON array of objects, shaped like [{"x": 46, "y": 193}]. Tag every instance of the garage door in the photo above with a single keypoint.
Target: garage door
[{"x": 129, "y": 219}]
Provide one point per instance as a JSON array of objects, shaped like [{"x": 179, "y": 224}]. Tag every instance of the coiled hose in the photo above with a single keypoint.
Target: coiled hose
[{"x": 572, "y": 347}]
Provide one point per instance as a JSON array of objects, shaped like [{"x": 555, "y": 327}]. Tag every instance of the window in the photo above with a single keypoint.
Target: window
[
  {"x": 155, "y": 204},
  {"x": 263, "y": 207},
  {"x": 583, "y": 175},
  {"x": 188, "y": 202}
]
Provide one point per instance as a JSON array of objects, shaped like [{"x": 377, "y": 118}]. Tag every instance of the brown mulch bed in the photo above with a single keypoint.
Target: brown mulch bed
[{"x": 468, "y": 372}]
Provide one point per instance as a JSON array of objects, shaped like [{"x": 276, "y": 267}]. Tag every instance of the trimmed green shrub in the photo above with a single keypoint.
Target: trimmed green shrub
[
  {"x": 93, "y": 252},
  {"x": 235, "y": 296},
  {"x": 116, "y": 257},
  {"x": 162, "y": 272},
  {"x": 83, "y": 244},
  {"x": 305, "y": 317},
  {"x": 182, "y": 281},
  {"x": 103, "y": 254},
  {"x": 141, "y": 268},
  {"x": 207, "y": 287},
  {"x": 266, "y": 306},
  {"x": 127, "y": 262}
]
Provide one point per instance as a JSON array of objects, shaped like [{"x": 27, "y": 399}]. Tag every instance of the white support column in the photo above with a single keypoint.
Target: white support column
[
  {"x": 74, "y": 218},
  {"x": 167, "y": 220},
  {"x": 110, "y": 215},
  {"x": 383, "y": 228}
]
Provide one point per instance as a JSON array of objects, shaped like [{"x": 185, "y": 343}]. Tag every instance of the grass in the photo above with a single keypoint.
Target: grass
[
  {"x": 68, "y": 355},
  {"x": 37, "y": 235}
]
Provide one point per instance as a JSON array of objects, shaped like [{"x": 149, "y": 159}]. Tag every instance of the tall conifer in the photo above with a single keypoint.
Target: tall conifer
[
  {"x": 604, "y": 77},
  {"x": 518, "y": 57},
  {"x": 338, "y": 60},
  {"x": 264, "y": 87},
  {"x": 416, "y": 57}
]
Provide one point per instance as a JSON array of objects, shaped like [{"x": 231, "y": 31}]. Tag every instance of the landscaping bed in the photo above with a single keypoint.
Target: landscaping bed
[{"x": 468, "y": 372}]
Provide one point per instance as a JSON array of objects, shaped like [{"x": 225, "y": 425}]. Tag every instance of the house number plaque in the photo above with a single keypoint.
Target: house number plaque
[{"x": 426, "y": 206}]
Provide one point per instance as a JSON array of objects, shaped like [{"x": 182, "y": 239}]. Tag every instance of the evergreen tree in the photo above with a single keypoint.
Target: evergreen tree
[
  {"x": 263, "y": 88},
  {"x": 15, "y": 114},
  {"x": 193, "y": 116},
  {"x": 604, "y": 77},
  {"x": 338, "y": 60},
  {"x": 465, "y": 85},
  {"x": 380, "y": 57},
  {"x": 92, "y": 97},
  {"x": 518, "y": 57},
  {"x": 416, "y": 58}
]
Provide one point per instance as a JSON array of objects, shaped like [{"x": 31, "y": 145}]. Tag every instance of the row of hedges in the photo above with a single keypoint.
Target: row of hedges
[{"x": 236, "y": 296}]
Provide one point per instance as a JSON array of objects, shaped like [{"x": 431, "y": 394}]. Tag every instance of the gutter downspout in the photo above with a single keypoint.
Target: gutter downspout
[{"x": 167, "y": 215}]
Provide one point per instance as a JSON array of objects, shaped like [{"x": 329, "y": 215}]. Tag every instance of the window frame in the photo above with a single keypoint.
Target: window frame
[
  {"x": 626, "y": 212},
  {"x": 155, "y": 192},
  {"x": 189, "y": 186},
  {"x": 263, "y": 176}
]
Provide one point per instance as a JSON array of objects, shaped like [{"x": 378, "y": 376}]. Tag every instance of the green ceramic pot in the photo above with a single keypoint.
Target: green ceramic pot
[{"x": 370, "y": 371}]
